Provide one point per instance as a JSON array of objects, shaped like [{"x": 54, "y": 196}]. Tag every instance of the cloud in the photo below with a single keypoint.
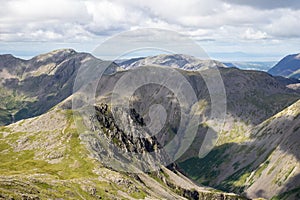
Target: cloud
[
  {"x": 68, "y": 19},
  {"x": 41, "y": 20},
  {"x": 285, "y": 26},
  {"x": 267, "y": 4},
  {"x": 251, "y": 34},
  {"x": 35, "y": 11},
  {"x": 110, "y": 16},
  {"x": 220, "y": 22}
]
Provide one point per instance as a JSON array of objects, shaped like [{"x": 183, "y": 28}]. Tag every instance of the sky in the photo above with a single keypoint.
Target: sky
[{"x": 227, "y": 30}]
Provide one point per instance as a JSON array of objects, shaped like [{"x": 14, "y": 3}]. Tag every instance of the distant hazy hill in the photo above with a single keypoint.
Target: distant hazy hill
[
  {"x": 187, "y": 62},
  {"x": 180, "y": 61},
  {"x": 289, "y": 66}
]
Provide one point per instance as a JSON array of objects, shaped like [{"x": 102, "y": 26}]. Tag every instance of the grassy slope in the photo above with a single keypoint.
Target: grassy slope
[
  {"x": 26, "y": 168},
  {"x": 43, "y": 157}
]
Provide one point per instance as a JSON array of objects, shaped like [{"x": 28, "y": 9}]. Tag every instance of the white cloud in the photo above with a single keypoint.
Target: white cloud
[
  {"x": 267, "y": 4},
  {"x": 41, "y": 20},
  {"x": 285, "y": 25},
  {"x": 251, "y": 34},
  {"x": 220, "y": 21},
  {"x": 28, "y": 18},
  {"x": 35, "y": 11}
]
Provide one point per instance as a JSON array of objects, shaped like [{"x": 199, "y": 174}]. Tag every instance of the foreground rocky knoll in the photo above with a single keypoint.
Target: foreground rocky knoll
[{"x": 50, "y": 157}]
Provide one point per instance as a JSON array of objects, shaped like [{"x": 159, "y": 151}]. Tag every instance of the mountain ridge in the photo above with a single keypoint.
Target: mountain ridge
[
  {"x": 289, "y": 66},
  {"x": 24, "y": 81},
  {"x": 180, "y": 61}
]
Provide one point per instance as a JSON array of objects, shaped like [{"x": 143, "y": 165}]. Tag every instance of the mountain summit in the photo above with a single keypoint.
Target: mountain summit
[
  {"x": 180, "y": 61},
  {"x": 31, "y": 87}
]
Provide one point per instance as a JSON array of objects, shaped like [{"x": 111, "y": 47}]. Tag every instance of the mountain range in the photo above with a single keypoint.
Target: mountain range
[
  {"x": 180, "y": 61},
  {"x": 190, "y": 63},
  {"x": 46, "y": 154}
]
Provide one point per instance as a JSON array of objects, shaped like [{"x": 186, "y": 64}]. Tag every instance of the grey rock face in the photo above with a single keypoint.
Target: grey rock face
[{"x": 130, "y": 141}]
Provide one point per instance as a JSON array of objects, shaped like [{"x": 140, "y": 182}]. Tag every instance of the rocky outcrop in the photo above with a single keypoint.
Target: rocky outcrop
[
  {"x": 130, "y": 141},
  {"x": 123, "y": 142},
  {"x": 132, "y": 138}
]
